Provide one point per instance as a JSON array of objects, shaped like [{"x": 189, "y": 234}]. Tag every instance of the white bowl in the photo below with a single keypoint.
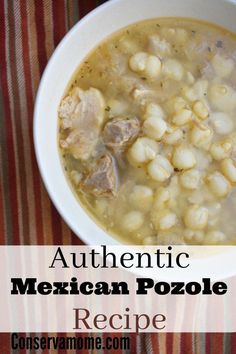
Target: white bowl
[{"x": 84, "y": 36}]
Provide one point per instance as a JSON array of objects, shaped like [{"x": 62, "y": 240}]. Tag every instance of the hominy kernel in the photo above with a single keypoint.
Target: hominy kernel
[
  {"x": 196, "y": 217},
  {"x": 153, "y": 109},
  {"x": 182, "y": 117},
  {"x": 214, "y": 237},
  {"x": 222, "y": 123},
  {"x": 173, "y": 68},
  {"x": 154, "y": 127},
  {"x": 218, "y": 184},
  {"x": 153, "y": 66},
  {"x": 228, "y": 168},
  {"x": 173, "y": 137},
  {"x": 190, "y": 179},
  {"x": 142, "y": 151},
  {"x": 176, "y": 104},
  {"x": 117, "y": 107},
  {"x": 133, "y": 221},
  {"x": 221, "y": 150},
  {"x": 190, "y": 78},
  {"x": 183, "y": 158},
  {"x": 165, "y": 220},
  {"x": 197, "y": 92},
  {"x": 76, "y": 177},
  {"x": 160, "y": 169},
  {"x": 145, "y": 63},
  {"x": 201, "y": 138},
  {"x": 222, "y": 97},
  {"x": 141, "y": 197},
  {"x": 201, "y": 110},
  {"x": 222, "y": 66},
  {"x": 193, "y": 235},
  {"x": 138, "y": 62},
  {"x": 161, "y": 198}
]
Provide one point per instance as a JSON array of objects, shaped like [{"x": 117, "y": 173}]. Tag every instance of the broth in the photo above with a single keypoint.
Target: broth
[{"x": 147, "y": 133}]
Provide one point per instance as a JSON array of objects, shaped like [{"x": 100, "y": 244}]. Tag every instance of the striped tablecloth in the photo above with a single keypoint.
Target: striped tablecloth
[{"x": 29, "y": 32}]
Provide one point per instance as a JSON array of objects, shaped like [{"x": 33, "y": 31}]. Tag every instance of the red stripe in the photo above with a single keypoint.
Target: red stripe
[
  {"x": 56, "y": 226},
  {"x": 208, "y": 343},
  {"x": 23, "y": 335},
  {"x": 217, "y": 343},
  {"x": 29, "y": 99},
  {"x": 45, "y": 351},
  {"x": 9, "y": 132},
  {"x": 61, "y": 351},
  {"x": 233, "y": 343},
  {"x": 105, "y": 336},
  {"x": 169, "y": 343},
  {"x": 75, "y": 240},
  {"x": 133, "y": 343},
  {"x": 85, "y": 6},
  {"x": 5, "y": 342},
  {"x": 186, "y": 343},
  {"x": 59, "y": 21},
  {"x": 2, "y": 226},
  {"x": 83, "y": 351}
]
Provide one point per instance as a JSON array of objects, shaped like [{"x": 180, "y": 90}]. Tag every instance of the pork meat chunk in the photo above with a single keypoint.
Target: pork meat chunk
[
  {"x": 120, "y": 132},
  {"x": 102, "y": 180},
  {"x": 83, "y": 114}
]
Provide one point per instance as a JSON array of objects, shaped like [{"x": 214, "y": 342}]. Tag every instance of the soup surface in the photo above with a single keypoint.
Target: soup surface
[{"x": 147, "y": 133}]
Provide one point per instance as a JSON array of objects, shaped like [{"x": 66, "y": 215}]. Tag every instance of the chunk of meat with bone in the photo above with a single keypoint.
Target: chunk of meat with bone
[
  {"x": 102, "y": 180},
  {"x": 83, "y": 113},
  {"x": 120, "y": 132}
]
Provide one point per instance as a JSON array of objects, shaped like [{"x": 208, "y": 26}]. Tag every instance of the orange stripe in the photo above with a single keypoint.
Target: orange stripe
[
  {"x": 162, "y": 343},
  {"x": 72, "y": 13},
  {"x": 197, "y": 342},
  {"x": 46, "y": 217},
  {"x": 176, "y": 343},
  {"x": 66, "y": 239},
  {"x": 48, "y": 25},
  {"x": 33, "y": 54},
  {"x": 155, "y": 343}
]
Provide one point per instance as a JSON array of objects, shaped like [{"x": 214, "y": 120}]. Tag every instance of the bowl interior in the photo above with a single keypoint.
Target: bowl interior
[{"x": 83, "y": 37}]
